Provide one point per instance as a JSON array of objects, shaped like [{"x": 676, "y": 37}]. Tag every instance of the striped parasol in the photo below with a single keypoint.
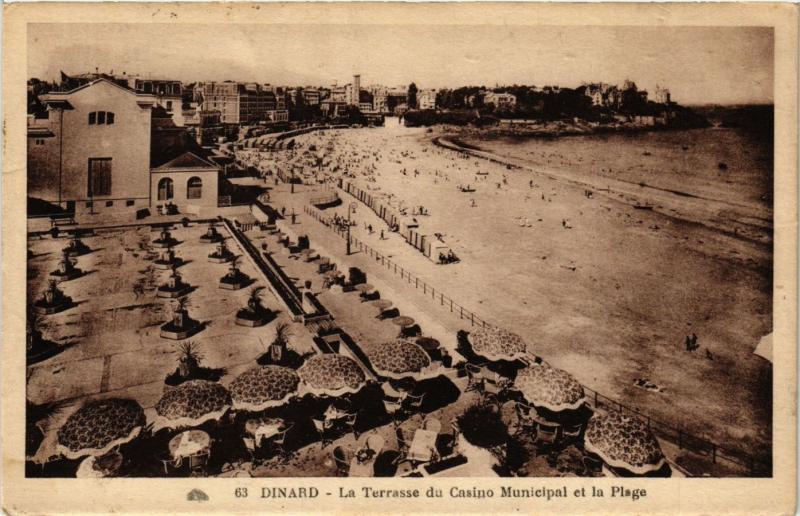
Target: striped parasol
[
  {"x": 263, "y": 387},
  {"x": 624, "y": 441},
  {"x": 331, "y": 374},
  {"x": 496, "y": 343},
  {"x": 191, "y": 404},
  {"x": 99, "y": 426},
  {"x": 554, "y": 389},
  {"x": 399, "y": 359}
]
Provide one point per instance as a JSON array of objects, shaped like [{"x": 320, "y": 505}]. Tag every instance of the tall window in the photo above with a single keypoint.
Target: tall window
[
  {"x": 165, "y": 189},
  {"x": 194, "y": 188},
  {"x": 99, "y": 177}
]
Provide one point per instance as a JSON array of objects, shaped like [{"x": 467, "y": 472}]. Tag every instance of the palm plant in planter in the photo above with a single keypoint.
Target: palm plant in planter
[
  {"x": 188, "y": 360},
  {"x": 254, "y": 314},
  {"x": 278, "y": 351},
  {"x": 235, "y": 278},
  {"x": 181, "y": 326}
]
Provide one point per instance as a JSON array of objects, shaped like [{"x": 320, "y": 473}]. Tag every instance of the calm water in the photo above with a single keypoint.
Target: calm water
[{"x": 682, "y": 161}]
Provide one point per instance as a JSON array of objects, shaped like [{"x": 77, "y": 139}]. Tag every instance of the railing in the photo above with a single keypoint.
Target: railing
[
  {"x": 411, "y": 279},
  {"x": 683, "y": 439},
  {"x": 277, "y": 278}
]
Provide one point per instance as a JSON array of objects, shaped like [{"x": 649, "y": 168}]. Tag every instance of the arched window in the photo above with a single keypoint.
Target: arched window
[
  {"x": 194, "y": 188},
  {"x": 165, "y": 189}
]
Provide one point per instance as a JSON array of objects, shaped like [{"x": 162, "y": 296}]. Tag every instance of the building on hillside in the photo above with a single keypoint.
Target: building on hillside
[
  {"x": 500, "y": 100},
  {"x": 241, "y": 103},
  {"x": 311, "y": 97},
  {"x": 100, "y": 147},
  {"x": 339, "y": 94},
  {"x": 426, "y": 99},
  {"x": 604, "y": 95},
  {"x": 168, "y": 93},
  {"x": 354, "y": 91},
  {"x": 662, "y": 95}
]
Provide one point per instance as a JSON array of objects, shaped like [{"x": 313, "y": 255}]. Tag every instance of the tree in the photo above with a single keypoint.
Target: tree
[{"x": 412, "y": 96}]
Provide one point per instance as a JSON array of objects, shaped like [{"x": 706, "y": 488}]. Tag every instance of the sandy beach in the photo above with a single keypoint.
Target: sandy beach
[{"x": 563, "y": 257}]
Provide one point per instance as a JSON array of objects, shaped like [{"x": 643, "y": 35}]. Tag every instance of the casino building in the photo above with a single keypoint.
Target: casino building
[{"x": 102, "y": 148}]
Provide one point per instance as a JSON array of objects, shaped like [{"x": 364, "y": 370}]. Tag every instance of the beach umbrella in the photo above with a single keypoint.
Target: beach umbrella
[
  {"x": 191, "y": 404},
  {"x": 624, "y": 441},
  {"x": 331, "y": 374},
  {"x": 496, "y": 343},
  {"x": 99, "y": 426},
  {"x": 403, "y": 321},
  {"x": 263, "y": 387},
  {"x": 549, "y": 387},
  {"x": 382, "y": 304},
  {"x": 364, "y": 288},
  {"x": 399, "y": 359}
]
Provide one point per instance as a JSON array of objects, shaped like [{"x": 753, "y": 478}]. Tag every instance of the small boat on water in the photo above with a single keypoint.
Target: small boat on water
[{"x": 643, "y": 206}]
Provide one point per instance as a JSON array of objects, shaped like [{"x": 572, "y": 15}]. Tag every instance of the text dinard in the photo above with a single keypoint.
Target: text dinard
[{"x": 545, "y": 493}]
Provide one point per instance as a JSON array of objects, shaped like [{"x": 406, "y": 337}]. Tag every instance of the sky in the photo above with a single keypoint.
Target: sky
[{"x": 700, "y": 65}]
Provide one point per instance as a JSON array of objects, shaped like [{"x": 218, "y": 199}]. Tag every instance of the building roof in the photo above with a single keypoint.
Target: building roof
[{"x": 173, "y": 147}]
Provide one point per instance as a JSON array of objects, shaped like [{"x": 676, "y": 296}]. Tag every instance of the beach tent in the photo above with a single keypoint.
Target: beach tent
[{"x": 764, "y": 348}]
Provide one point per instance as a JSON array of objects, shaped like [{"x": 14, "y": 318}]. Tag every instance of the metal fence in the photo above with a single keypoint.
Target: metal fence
[
  {"x": 418, "y": 283},
  {"x": 683, "y": 439}
]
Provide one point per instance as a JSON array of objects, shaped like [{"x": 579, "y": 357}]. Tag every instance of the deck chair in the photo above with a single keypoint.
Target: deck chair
[
  {"x": 592, "y": 466},
  {"x": 280, "y": 439},
  {"x": 402, "y": 444},
  {"x": 572, "y": 432},
  {"x": 375, "y": 443},
  {"x": 322, "y": 429},
  {"x": 250, "y": 445},
  {"x": 525, "y": 416},
  {"x": 392, "y": 408},
  {"x": 475, "y": 378},
  {"x": 341, "y": 457},
  {"x": 414, "y": 402},
  {"x": 350, "y": 422},
  {"x": 432, "y": 424},
  {"x": 546, "y": 434}
]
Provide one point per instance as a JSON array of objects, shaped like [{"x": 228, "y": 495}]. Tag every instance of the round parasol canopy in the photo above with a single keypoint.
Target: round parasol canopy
[
  {"x": 624, "y": 441},
  {"x": 263, "y": 387},
  {"x": 191, "y": 404},
  {"x": 331, "y": 375},
  {"x": 382, "y": 304},
  {"x": 399, "y": 359},
  {"x": 551, "y": 388},
  {"x": 403, "y": 321},
  {"x": 99, "y": 426},
  {"x": 496, "y": 343},
  {"x": 364, "y": 288}
]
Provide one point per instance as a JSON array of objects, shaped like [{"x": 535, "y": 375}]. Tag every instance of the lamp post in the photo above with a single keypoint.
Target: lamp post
[
  {"x": 350, "y": 208},
  {"x": 291, "y": 181}
]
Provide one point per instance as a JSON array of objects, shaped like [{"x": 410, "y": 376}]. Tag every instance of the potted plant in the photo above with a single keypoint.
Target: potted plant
[{"x": 188, "y": 360}]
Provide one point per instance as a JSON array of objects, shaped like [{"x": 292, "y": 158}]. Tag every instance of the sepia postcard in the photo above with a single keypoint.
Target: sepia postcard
[{"x": 374, "y": 258}]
